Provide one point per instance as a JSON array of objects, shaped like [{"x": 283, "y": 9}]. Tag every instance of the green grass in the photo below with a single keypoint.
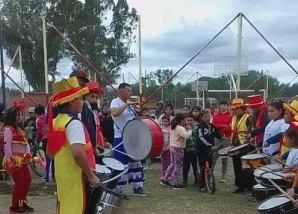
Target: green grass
[{"x": 164, "y": 200}]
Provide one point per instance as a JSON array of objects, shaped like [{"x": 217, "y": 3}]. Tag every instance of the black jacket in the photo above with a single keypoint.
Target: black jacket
[
  {"x": 87, "y": 117},
  {"x": 205, "y": 137}
]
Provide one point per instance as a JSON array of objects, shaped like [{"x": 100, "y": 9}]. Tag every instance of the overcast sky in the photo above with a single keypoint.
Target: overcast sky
[{"x": 174, "y": 30}]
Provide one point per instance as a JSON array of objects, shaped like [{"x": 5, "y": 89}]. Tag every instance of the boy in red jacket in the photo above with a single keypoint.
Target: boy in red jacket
[{"x": 222, "y": 121}]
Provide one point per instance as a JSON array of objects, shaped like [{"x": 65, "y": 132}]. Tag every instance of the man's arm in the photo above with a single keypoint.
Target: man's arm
[
  {"x": 116, "y": 111},
  {"x": 76, "y": 138}
]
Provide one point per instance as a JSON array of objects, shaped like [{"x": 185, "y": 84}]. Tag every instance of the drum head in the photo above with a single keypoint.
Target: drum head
[
  {"x": 102, "y": 169},
  {"x": 253, "y": 157},
  {"x": 273, "y": 202},
  {"x": 272, "y": 167},
  {"x": 224, "y": 151},
  {"x": 137, "y": 139},
  {"x": 259, "y": 172},
  {"x": 275, "y": 176},
  {"x": 113, "y": 164}
]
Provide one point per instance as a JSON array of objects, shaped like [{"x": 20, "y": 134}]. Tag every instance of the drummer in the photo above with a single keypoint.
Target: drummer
[
  {"x": 240, "y": 128},
  {"x": 222, "y": 121},
  {"x": 260, "y": 117},
  {"x": 122, "y": 112}
]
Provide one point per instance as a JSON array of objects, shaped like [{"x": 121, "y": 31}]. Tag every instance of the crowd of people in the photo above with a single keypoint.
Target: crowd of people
[{"x": 74, "y": 132}]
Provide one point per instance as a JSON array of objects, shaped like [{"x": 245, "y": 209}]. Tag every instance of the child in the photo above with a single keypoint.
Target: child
[
  {"x": 165, "y": 154},
  {"x": 185, "y": 110},
  {"x": 291, "y": 141},
  {"x": 40, "y": 124},
  {"x": 17, "y": 158},
  {"x": 190, "y": 152},
  {"x": 275, "y": 129},
  {"x": 205, "y": 143},
  {"x": 290, "y": 112},
  {"x": 196, "y": 113},
  {"x": 178, "y": 137}
]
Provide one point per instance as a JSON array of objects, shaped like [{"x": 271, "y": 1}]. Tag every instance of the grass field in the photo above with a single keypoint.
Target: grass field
[{"x": 164, "y": 200}]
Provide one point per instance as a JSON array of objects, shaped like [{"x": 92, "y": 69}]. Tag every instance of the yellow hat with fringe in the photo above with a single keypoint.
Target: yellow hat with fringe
[
  {"x": 237, "y": 103},
  {"x": 67, "y": 90},
  {"x": 293, "y": 107}
]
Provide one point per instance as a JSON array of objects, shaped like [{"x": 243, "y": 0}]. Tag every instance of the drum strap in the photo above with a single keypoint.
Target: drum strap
[{"x": 134, "y": 112}]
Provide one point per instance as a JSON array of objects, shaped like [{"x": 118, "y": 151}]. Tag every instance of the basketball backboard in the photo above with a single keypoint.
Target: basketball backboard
[
  {"x": 199, "y": 85},
  {"x": 226, "y": 65}
]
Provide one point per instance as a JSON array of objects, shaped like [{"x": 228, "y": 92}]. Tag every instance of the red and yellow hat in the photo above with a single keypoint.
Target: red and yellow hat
[
  {"x": 255, "y": 101},
  {"x": 237, "y": 103},
  {"x": 94, "y": 87},
  {"x": 67, "y": 90},
  {"x": 293, "y": 107}
]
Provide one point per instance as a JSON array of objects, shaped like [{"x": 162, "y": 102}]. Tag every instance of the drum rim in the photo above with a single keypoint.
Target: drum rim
[
  {"x": 242, "y": 146},
  {"x": 115, "y": 160},
  {"x": 149, "y": 131},
  {"x": 262, "y": 157},
  {"x": 275, "y": 206}
]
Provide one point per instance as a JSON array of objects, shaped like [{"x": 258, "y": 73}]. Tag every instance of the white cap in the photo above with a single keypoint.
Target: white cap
[{"x": 31, "y": 110}]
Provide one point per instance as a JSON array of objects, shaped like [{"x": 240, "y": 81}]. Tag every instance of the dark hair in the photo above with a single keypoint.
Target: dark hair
[
  {"x": 186, "y": 106},
  {"x": 278, "y": 105},
  {"x": 292, "y": 134},
  {"x": 165, "y": 118},
  {"x": 39, "y": 110},
  {"x": 190, "y": 116},
  {"x": 169, "y": 105},
  {"x": 199, "y": 108},
  {"x": 223, "y": 102},
  {"x": 124, "y": 85},
  {"x": 203, "y": 112},
  {"x": 145, "y": 109},
  {"x": 10, "y": 118},
  {"x": 177, "y": 120}
]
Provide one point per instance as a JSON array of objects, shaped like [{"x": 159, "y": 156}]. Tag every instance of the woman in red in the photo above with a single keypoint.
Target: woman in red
[{"x": 17, "y": 157}]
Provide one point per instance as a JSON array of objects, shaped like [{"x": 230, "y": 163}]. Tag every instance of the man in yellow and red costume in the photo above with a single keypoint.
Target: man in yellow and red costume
[{"x": 69, "y": 144}]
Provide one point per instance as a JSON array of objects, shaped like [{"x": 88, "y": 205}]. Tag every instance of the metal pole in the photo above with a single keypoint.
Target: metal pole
[
  {"x": 45, "y": 58},
  {"x": 203, "y": 99},
  {"x": 198, "y": 95},
  {"x": 21, "y": 70},
  {"x": 2, "y": 66},
  {"x": 267, "y": 85},
  {"x": 140, "y": 62},
  {"x": 276, "y": 51},
  {"x": 189, "y": 61},
  {"x": 239, "y": 55},
  {"x": 123, "y": 77}
]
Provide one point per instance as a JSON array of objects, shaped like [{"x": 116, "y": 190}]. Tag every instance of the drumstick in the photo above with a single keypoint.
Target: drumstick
[
  {"x": 271, "y": 173},
  {"x": 281, "y": 190},
  {"x": 217, "y": 147},
  {"x": 117, "y": 176},
  {"x": 123, "y": 153},
  {"x": 254, "y": 151}
]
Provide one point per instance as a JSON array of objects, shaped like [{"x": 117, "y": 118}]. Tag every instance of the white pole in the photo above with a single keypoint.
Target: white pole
[
  {"x": 45, "y": 58},
  {"x": 267, "y": 84},
  {"x": 198, "y": 94},
  {"x": 239, "y": 57},
  {"x": 21, "y": 70},
  {"x": 203, "y": 99}
]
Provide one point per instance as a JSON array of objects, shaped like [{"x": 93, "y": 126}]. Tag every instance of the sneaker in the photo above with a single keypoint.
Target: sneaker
[
  {"x": 28, "y": 208},
  {"x": 203, "y": 189},
  {"x": 17, "y": 210},
  {"x": 179, "y": 186},
  {"x": 140, "y": 192},
  {"x": 165, "y": 183}
]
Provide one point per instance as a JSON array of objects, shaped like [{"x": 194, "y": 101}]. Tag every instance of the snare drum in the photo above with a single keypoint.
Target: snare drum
[
  {"x": 239, "y": 150},
  {"x": 253, "y": 160},
  {"x": 268, "y": 168},
  {"x": 142, "y": 139},
  {"x": 224, "y": 151},
  {"x": 103, "y": 173},
  {"x": 116, "y": 168},
  {"x": 277, "y": 205},
  {"x": 261, "y": 193},
  {"x": 276, "y": 177}
]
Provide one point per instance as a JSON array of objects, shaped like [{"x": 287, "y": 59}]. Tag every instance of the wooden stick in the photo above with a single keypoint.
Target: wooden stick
[
  {"x": 253, "y": 151},
  {"x": 281, "y": 190}
]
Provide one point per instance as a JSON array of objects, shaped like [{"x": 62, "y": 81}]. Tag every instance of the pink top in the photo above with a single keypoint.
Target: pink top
[
  {"x": 178, "y": 137},
  {"x": 13, "y": 148},
  {"x": 40, "y": 124},
  {"x": 166, "y": 137}
]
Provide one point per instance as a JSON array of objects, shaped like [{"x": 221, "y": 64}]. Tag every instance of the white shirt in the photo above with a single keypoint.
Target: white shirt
[
  {"x": 121, "y": 120},
  {"x": 75, "y": 132},
  {"x": 273, "y": 128},
  {"x": 292, "y": 159}
]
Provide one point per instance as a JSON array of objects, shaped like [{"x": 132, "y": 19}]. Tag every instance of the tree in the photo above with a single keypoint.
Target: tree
[
  {"x": 105, "y": 44},
  {"x": 159, "y": 76},
  {"x": 22, "y": 24}
]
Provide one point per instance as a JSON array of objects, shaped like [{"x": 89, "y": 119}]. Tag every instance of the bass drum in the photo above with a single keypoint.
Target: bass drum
[{"x": 142, "y": 139}]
